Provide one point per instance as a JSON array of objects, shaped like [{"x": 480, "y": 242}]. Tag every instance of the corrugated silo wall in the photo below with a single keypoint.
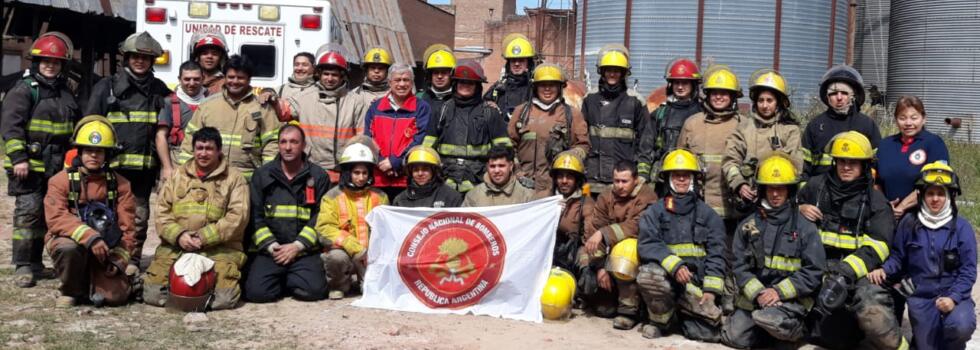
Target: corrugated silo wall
[
  {"x": 934, "y": 53},
  {"x": 740, "y": 34},
  {"x": 871, "y": 42}
]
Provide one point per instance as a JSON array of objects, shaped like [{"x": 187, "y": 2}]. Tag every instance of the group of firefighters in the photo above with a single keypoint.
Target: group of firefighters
[{"x": 696, "y": 218}]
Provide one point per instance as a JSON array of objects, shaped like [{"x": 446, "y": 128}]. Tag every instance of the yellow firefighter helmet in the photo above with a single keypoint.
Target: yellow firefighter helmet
[
  {"x": 851, "y": 145},
  {"x": 720, "y": 77},
  {"x": 777, "y": 170},
  {"x": 423, "y": 154},
  {"x": 559, "y": 291},
  {"x": 624, "y": 260},
  {"x": 548, "y": 72},
  {"x": 377, "y": 55},
  {"x": 94, "y": 131},
  {"x": 517, "y": 46},
  {"x": 567, "y": 161},
  {"x": 680, "y": 160}
]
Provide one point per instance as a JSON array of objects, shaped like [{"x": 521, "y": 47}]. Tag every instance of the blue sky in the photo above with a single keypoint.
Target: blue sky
[{"x": 521, "y": 4}]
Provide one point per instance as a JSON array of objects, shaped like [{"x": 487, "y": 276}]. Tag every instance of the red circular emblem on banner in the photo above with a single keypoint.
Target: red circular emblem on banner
[{"x": 452, "y": 260}]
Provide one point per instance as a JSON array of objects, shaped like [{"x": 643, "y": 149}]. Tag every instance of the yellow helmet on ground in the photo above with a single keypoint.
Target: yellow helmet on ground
[
  {"x": 377, "y": 55},
  {"x": 423, "y": 154},
  {"x": 613, "y": 55},
  {"x": 624, "y": 260},
  {"x": 567, "y": 161},
  {"x": 680, "y": 160},
  {"x": 517, "y": 46},
  {"x": 94, "y": 131},
  {"x": 440, "y": 59},
  {"x": 939, "y": 173},
  {"x": 851, "y": 145},
  {"x": 777, "y": 170},
  {"x": 559, "y": 291},
  {"x": 720, "y": 77},
  {"x": 548, "y": 72}
]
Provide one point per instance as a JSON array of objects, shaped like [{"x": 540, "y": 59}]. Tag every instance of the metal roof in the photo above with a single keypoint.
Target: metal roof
[{"x": 125, "y": 9}]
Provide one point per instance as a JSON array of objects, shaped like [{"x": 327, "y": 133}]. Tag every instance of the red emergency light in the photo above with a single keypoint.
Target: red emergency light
[
  {"x": 156, "y": 15},
  {"x": 311, "y": 22}
]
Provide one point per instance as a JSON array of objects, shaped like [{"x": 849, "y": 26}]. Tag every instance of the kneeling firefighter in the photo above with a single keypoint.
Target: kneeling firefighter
[
  {"x": 90, "y": 212},
  {"x": 856, "y": 225},
  {"x": 779, "y": 260},
  {"x": 682, "y": 252}
]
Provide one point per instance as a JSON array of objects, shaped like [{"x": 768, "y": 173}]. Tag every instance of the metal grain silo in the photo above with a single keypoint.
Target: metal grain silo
[
  {"x": 799, "y": 37},
  {"x": 934, "y": 53},
  {"x": 871, "y": 42}
]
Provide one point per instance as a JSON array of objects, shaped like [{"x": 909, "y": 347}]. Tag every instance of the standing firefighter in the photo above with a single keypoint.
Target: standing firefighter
[
  {"x": 856, "y": 226},
  {"x": 37, "y": 115},
  {"x": 376, "y": 62},
  {"x": 211, "y": 53},
  {"x": 778, "y": 263},
  {"x": 439, "y": 65},
  {"x": 131, "y": 99},
  {"x": 90, "y": 212},
  {"x": 683, "y": 79},
  {"x": 514, "y": 88},
  {"x": 704, "y": 134},
  {"x": 770, "y": 129},
  {"x": 617, "y": 120},
  {"x": 328, "y": 113},
  {"x": 285, "y": 200},
  {"x": 464, "y": 129},
  {"x": 248, "y": 128},
  {"x": 342, "y": 218},
  {"x": 842, "y": 90},
  {"x": 202, "y": 211},
  {"x": 682, "y": 249},
  {"x": 175, "y": 115},
  {"x": 545, "y": 126}
]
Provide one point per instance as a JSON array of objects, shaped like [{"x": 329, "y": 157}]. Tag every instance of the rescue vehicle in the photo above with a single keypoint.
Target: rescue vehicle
[{"x": 268, "y": 32}]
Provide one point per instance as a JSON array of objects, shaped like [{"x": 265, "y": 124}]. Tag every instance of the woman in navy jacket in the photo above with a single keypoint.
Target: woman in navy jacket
[{"x": 936, "y": 250}]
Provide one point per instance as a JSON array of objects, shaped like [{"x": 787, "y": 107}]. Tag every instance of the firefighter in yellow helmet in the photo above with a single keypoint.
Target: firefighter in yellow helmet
[
  {"x": 616, "y": 225},
  {"x": 342, "y": 220},
  {"x": 770, "y": 129},
  {"x": 90, "y": 213},
  {"x": 779, "y": 264},
  {"x": 618, "y": 121},
  {"x": 514, "y": 86},
  {"x": 704, "y": 134},
  {"x": 37, "y": 115},
  {"x": 568, "y": 175},
  {"x": 545, "y": 126},
  {"x": 131, "y": 99},
  {"x": 439, "y": 65},
  {"x": 856, "y": 226},
  {"x": 375, "y": 65},
  {"x": 426, "y": 187},
  {"x": 682, "y": 255}
]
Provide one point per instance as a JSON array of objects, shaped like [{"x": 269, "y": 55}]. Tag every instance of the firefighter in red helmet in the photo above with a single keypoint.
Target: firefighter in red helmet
[
  {"x": 211, "y": 52},
  {"x": 683, "y": 79}
]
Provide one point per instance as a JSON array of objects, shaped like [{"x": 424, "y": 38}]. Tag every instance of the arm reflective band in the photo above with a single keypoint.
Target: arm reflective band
[
  {"x": 309, "y": 234},
  {"x": 752, "y": 288},
  {"x": 502, "y": 141},
  {"x": 879, "y": 247},
  {"x": 618, "y": 233},
  {"x": 429, "y": 140},
  {"x": 836, "y": 240},
  {"x": 860, "y": 270},
  {"x": 79, "y": 233},
  {"x": 14, "y": 145},
  {"x": 807, "y": 156},
  {"x": 208, "y": 235},
  {"x": 261, "y": 235},
  {"x": 786, "y": 289},
  {"x": 714, "y": 282},
  {"x": 670, "y": 263},
  {"x": 692, "y": 289}
]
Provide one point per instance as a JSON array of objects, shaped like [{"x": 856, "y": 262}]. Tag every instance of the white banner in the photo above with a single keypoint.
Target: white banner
[{"x": 485, "y": 261}]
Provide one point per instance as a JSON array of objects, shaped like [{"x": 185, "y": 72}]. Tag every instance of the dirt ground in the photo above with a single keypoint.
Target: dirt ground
[{"x": 28, "y": 319}]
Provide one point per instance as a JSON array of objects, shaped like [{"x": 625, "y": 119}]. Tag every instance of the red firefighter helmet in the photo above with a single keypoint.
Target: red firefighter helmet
[
  {"x": 187, "y": 298},
  {"x": 52, "y": 45},
  {"x": 469, "y": 70},
  {"x": 202, "y": 40},
  {"x": 682, "y": 68}
]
